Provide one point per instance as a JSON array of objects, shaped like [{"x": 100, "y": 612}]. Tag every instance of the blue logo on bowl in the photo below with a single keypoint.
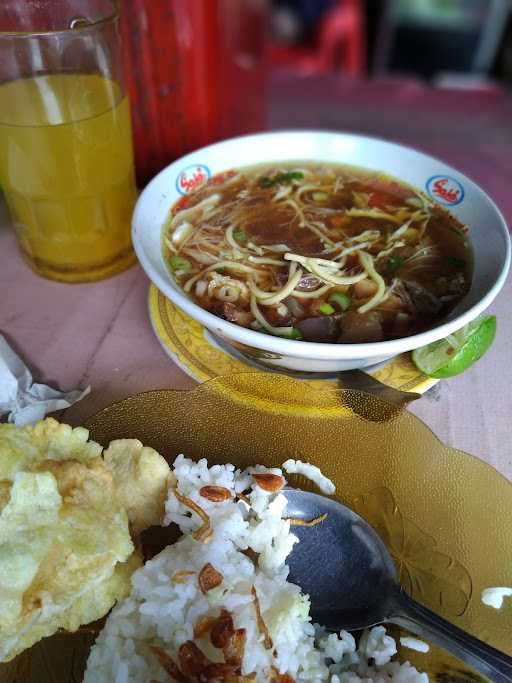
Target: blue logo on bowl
[
  {"x": 192, "y": 177},
  {"x": 445, "y": 190}
]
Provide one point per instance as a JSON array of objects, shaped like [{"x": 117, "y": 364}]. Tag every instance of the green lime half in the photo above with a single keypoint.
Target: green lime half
[{"x": 454, "y": 354}]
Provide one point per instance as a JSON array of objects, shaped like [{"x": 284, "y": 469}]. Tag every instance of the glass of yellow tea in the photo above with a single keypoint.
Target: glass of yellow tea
[{"x": 66, "y": 160}]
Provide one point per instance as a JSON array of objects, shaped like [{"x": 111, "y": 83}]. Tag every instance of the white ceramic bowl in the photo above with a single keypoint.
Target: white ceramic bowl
[{"x": 471, "y": 205}]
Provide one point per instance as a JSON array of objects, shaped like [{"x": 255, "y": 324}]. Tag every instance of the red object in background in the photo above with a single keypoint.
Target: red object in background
[
  {"x": 194, "y": 72},
  {"x": 340, "y": 45}
]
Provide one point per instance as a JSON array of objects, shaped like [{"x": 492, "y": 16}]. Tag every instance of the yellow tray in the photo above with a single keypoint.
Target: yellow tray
[{"x": 191, "y": 347}]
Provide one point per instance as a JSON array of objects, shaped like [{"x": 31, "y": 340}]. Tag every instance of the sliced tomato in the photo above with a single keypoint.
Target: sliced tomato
[
  {"x": 338, "y": 220},
  {"x": 221, "y": 178},
  {"x": 384, "y": 193},
  {"x": 379, "y": 200},
  {"x": 182, "y": 203}
]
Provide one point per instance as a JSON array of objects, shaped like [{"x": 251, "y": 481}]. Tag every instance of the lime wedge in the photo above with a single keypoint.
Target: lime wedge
[{"x": 454, "y": 354}]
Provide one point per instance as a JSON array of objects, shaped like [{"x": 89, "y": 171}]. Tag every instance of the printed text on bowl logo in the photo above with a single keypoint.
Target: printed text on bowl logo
[
  {"x": 191, "y": 178},
  {"x": 445, "y": 190}
]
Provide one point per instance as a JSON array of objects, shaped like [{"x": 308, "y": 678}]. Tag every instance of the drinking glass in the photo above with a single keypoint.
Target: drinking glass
[{"x": 66, "y": 159}]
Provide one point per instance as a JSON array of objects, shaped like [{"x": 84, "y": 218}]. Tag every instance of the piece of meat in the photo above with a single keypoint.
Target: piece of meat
[
  {"x": 295, "y": 308},
  {"x": 358, "y": 328},
  {"x": 392, "y": 303},
  {"x": 307, "y": 283},
  {"x": 280, "y": 277},
  {"x": 365, "y": 289},
  {"x": 423, "y": 302},
  {"x": 319, "y": 329},
  {"x": 401, "y": 292},
  {"x": 402, "y": 325},
  {"x": 230, "y": 312},
  {"x": 273, "y": 316}
]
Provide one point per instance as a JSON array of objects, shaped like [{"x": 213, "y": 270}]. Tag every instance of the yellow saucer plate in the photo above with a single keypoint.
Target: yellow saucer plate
[{"x": 204, "y": 357}]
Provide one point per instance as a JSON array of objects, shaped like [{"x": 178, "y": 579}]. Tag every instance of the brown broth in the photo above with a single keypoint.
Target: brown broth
[{"x": 225, "y": 244}]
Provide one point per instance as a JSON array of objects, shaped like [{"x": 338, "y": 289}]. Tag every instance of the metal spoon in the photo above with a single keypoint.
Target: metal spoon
[{"x": 350, "y": 577}]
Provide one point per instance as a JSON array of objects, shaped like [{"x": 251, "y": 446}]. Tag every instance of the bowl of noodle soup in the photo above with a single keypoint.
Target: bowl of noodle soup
[{"x": 320, "y": 252}]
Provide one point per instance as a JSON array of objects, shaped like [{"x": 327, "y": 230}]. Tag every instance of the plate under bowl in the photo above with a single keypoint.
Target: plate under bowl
[
  {"x": 202, "y": 357},
  {"x": 487, "y": 232}
]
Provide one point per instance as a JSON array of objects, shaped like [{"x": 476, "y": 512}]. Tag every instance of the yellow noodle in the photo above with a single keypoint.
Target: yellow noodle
[
  {"x": 312, "y": 295},
  {"x": 274, "y": 298},
  {"x": 240, "y": 267},
  {"x": 337, "y": 279},
  {"x": 279, "y": 331},
  {"x": 265, "y": 261}
]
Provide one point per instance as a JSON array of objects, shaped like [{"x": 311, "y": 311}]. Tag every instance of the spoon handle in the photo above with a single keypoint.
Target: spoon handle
[{"x": 416, "y": 618}]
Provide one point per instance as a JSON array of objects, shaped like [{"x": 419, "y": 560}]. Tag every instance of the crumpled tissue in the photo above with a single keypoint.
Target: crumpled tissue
[{"x": 24, "y": 401}]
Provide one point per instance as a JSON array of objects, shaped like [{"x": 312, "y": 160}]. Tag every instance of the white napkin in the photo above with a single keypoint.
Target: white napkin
[{"x": 24, "y": 401}]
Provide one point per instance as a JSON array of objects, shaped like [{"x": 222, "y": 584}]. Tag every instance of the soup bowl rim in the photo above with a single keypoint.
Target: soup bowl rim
[{"x": 160, "y": 276}]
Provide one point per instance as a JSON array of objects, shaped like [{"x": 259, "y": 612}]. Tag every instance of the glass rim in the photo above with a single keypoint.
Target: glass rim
[{"x": 113, "y": 16}]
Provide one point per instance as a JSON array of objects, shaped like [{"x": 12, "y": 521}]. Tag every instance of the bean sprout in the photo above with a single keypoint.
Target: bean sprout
[{"x": 367, "y": 263}]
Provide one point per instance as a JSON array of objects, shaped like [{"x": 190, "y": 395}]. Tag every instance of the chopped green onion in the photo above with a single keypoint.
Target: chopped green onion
[
  {"x": 340, "y": 299},
  {"x": 294, "y": 334},
  {"x": 414, "y": 201},
  {"x": 394, "y": 264},
  {"x": 326, "y": 309},
  {"x": 180, "y": 263},
  {"x": 320, "y": 196},
  {"x": 240, "y": 235},
  {"x": 281, "y": 178},
  {"x": 455, "y": 262}
]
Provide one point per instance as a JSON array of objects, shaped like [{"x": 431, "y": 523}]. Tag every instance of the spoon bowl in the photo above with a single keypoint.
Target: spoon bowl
[
  {"x": 351, "y": 579},
  {"x": 341, "y": 563}
]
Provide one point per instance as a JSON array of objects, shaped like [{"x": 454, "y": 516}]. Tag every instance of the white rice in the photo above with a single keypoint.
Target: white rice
[
  {"x": 162, "y": 612},
  {"x": 493, "y": 597},
  {"x": 310, "y": 472}
]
